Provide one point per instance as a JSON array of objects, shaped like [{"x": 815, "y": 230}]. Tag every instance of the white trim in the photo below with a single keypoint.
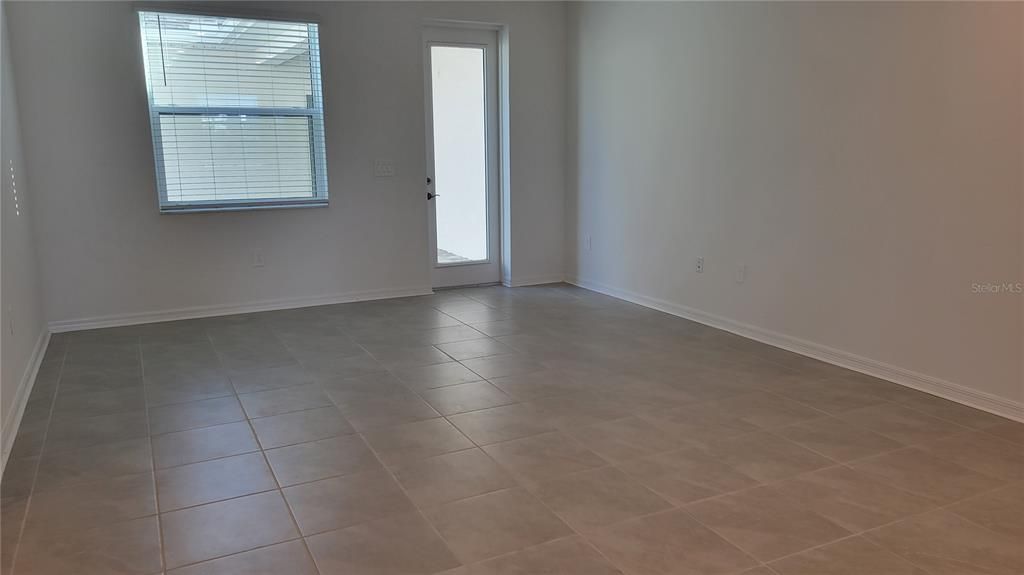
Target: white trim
[
  {"x": 534, "y": 280},
  {"x": 998, "y": 405},
  {"x": 13, "y": 420},
  {"x": 229, "y": 309}
]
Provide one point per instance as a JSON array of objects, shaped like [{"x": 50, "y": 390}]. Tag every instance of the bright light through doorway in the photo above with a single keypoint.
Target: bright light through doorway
[{"x": 460, "y": 148}]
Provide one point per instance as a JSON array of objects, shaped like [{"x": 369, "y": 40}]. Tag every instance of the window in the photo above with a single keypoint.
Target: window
[{"x": 236, "y": 112}]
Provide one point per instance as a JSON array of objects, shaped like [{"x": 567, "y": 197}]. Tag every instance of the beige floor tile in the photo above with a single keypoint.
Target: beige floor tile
[
  {"x": 167, "y": 388},
  {"x": 495, "y": 523},
  {"x": 326, "y": 366},
  {"x": 126, "y": 548},
  {"x": 501, "y": 423},
  {"x": 397, "y": 545},
  {"x": 418, "y": 440},
  {"x": 217, "y": 529},
  {"x": 450, "y": 334},
  {"x": 764, "y": 525},
  {"x": 250, "y": 381},
  {"x": 900, "y": 423},
  {"x": 542, "y": 457},
  {"x": 980, "y": 452},
  {"x": 368, "y": 413},
  {"x": 474, "y": 348},
  {"x": 339, "y": 502},
  {"x": 831, "y": 396},
  {"x": 203, "y": 413},
  {"x": 321, "y": 459},
  {"x": 432, "y": 376},
  {"x": 952, "y": 411},
  {"x": 879, "y": 387},
  {"x": 204, "y": 443},
  {"x": 591, "y": 499},
  {"x": 837, "y": 439},
  {"x": 500, "y": 328},
  {"x": 687, "y": 475},
  {"x": 569, "y": 556},
  {"x": 28, "y": 442},
  {"x": 537, "y": 384},
  {"x": 1001, "y": 510},
  {"x": 452, "y": 476},
  {"x": 343, "y": 391},
  {"x": 766, "y": 457},
  {"x": 1011, "y": 431},
  {"x": 12, "y": 515},
  {"x": 283, "y": 400},
  {"x": 210, "y": 481},
  {"x": 465, "y": 397},
  {"x": 766, "y": 410},
  {"x": 854, "y": 556},
  {"x": 78, "y": 433},
  {"x": 289, "y": 558},
  {"x": 624, "y": 439},
  {"x": 19, "y": 478},
  {"x": 851, "y": 499},
  {"x": 669, "y": 543},
  {"x": 699, "y": 424},
  {"x": 103, "y": 461},
  {"x": 503, "y": 365},
  {"x": 573, "y": 410},
  {"x": 944, "y": 544},
  {"x": 98, "y": 403},
  {"x": 402, "y": 357},
  {"x": 300, "y": 427},
  {"x": 88, "y": 505},
  {"x": 924, "y": 474},
  {"x": 99, "y": 379}
]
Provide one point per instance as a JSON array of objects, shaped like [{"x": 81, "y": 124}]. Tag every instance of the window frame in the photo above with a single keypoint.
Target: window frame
[{"x": 315, "y": 113}]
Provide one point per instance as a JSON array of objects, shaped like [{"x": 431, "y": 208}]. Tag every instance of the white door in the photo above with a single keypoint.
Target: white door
[{"x": 462, "y": 155}]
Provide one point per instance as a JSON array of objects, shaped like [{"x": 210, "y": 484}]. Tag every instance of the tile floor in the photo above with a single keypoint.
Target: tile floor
[{"x": 530, "y": 431}]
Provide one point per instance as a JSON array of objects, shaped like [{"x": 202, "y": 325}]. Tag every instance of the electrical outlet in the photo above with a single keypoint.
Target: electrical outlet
[
  {"x": 741, "y": 273},
  {"x": 700, "y": 265},
  {"x": 383, "y": 168},
  {"x": 257, "y": 259},
  {"x": 590, "y": 243}
]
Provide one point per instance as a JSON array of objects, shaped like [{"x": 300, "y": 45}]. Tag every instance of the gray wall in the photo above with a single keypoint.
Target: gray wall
[
  {"x": 863, "y": 160},
  {"x": 104, "y": 250},
  {"x": 21, "y": 319}
]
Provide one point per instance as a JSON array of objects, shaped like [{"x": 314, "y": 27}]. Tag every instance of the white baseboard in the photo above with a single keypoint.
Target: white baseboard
[
  {"x": 534, "y": 280},
  {"x": 998, "y": 405},
  {"x": 229, "y": 309},
  {"x": 12, "y": 420}
]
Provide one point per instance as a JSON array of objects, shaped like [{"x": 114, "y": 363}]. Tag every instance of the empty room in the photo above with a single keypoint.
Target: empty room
[{"x": 511, "y": 288}]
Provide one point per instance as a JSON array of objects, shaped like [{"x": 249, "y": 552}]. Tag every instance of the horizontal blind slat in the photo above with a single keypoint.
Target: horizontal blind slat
[{"x": 236, "y": 109}]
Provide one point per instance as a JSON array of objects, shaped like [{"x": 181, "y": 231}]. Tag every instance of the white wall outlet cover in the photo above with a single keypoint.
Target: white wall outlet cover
[
  {"x": 383, "y": 168},
  {"x": 700, "y": 265},
  {"x": 257, "y": 259}
]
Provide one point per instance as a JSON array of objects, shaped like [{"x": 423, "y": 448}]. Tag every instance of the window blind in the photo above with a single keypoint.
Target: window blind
[{"x": 236, "y": 111}]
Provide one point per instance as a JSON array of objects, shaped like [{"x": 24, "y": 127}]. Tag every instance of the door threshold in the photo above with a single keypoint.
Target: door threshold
[{"x": 464, "y": 286}]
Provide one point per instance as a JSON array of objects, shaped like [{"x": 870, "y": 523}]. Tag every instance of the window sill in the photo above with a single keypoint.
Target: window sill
[{"x": 200, "y": 209}]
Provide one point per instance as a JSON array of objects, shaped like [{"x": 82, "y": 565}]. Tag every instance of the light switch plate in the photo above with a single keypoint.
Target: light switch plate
[{"x": 383, "y": 168}]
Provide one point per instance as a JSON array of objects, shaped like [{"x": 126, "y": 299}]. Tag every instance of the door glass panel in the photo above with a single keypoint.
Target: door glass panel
[{"x": 460, "y": 153}]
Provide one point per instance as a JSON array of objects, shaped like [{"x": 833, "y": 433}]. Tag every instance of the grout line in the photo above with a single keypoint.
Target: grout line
[{"x": 152, "y": 462}]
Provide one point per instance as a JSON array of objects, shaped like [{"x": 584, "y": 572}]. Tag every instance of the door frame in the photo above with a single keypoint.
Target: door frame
[{"x": 492, "y": 39}]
